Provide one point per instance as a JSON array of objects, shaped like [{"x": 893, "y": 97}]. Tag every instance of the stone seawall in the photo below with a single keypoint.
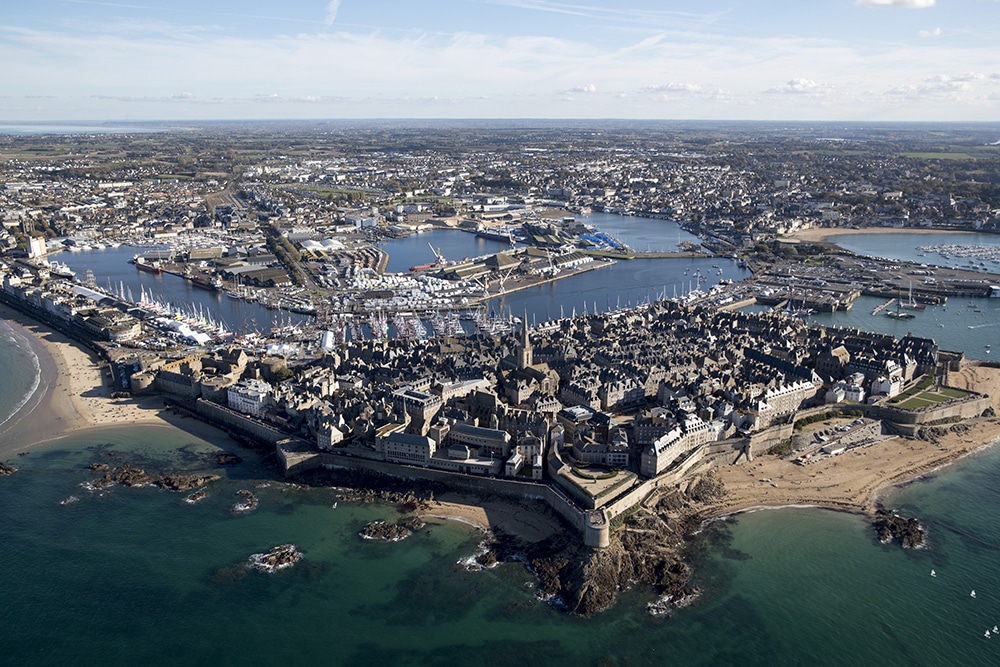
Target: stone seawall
[
  {"x": 243, "y": 426},
  {"x": 594, "y": 527}
]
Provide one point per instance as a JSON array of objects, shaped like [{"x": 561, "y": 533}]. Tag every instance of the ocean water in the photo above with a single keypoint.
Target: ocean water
[
  {"x": 137, "y": 576},
  {"x": 22, "y": 379},
  {"x": 906, "y": 247}
]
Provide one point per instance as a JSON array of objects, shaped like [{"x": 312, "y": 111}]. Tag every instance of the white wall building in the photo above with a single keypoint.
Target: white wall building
[{"x": 251, "y": 397}]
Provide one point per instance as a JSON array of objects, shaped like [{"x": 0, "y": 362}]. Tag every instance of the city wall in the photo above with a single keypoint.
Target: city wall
[
  {"x": 594, "y": 526},
  {"x": 243, "y": 426}
]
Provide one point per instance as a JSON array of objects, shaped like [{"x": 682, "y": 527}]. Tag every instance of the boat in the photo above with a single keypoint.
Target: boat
[
  {"x": 911, "y": 302},
  {"x": 59, "y": 269},
  {"x": 205, "y": 282},
  {"x": 423, "y": 267},
  {"x": 898, "y": 314},
  {"x": 143, "y": 264}
]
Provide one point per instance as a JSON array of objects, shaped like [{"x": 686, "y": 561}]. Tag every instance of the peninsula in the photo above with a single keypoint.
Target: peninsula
[{"x": 600, "y": 440}]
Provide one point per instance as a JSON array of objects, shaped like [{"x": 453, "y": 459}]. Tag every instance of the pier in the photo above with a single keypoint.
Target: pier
[{"x": 878, "y": 309}]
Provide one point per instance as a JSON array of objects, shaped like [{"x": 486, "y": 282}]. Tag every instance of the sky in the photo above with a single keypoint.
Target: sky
[{"x": 850, "y": 60}]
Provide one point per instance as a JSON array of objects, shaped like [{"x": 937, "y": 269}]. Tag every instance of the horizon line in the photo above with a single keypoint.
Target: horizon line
[{"x": 412, "y": 119}]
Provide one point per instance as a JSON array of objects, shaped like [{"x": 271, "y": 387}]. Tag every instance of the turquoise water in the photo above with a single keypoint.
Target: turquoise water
[{"x": 137, "y": 576}]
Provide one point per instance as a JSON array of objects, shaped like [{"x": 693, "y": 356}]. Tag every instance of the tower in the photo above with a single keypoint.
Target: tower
[{"x": 524, "y": 352}]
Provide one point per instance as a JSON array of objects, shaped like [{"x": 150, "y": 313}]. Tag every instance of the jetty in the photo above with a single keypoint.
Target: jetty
[{"x": 878, "y": 309}]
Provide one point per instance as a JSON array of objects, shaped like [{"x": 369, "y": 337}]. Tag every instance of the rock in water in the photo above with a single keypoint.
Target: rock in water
[
  {"x": 6, "y": 469},
  {"x": 414, "y": 523},
  {"x": 126, "y": 475},
  {"x": 385, "y": 531},
  {"x": 276, "y": 559},
  {"x": 889, "y": 526},
  {"x": 196, "y": 497},
  {"x": 248, "y": 504},
  {"x": 184, "y": 482}
]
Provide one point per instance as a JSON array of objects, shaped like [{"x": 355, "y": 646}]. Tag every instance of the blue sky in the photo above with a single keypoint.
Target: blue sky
[{"x": 701, "y": 59}]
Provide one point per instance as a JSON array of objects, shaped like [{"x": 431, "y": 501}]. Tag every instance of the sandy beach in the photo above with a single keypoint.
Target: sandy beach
[
  {"x": 511, "y": 517},
  {"x": 852, "y": 481},
  {"x": 74, "y": 394},
  {"x": 817, "y": 234}
]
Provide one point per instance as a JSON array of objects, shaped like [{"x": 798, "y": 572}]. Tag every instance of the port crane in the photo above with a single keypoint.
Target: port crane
[{"x": 437, "y": 255}]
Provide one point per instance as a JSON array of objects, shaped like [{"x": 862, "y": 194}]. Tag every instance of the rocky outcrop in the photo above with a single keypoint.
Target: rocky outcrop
[
  {"x": 127, "y": 475},
  {"x": 248, "y": 503},
  {"x": 276, "y": 559},
  {"x": 889, "y": 526},
  {"x": 184, "y": 482},
  {"x": 385, "y": 531},
  {"x": 588, "y": 581},
  {"x": 227, "y": 459},
  {"x": 413, "y": 523},
  {"x": 195, "y": 497}
]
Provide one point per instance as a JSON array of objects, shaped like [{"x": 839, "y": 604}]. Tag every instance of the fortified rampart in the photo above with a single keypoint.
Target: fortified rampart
[
  {"x": 242, "y": 426},
  {"x": 595, "y": 525}
]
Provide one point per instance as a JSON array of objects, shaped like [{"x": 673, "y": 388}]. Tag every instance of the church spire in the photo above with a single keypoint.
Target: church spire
[{"x": 524, "y": 352}]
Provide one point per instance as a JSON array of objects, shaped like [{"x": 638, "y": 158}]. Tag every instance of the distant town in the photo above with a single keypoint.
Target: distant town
[{"x": 591, "y": 411}]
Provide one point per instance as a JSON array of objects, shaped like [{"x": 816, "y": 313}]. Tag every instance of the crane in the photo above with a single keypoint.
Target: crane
[{"x": 437, "y": 254}]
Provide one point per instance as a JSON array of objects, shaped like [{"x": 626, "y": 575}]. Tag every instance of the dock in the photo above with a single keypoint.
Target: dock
[{"x": 878, "y": 309}]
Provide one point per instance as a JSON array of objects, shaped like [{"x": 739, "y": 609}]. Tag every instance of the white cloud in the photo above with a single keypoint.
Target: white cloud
[
  {"x": 936, "y": 32},
  {"x": 672, "y": 87},
  {"x": 796, "y": 87},
  {"x": 903, "y": 4},
  {"x": 183, "y": 71},
  {"x": 331, "y": 12},
  {"x": 589, "y": 89}
]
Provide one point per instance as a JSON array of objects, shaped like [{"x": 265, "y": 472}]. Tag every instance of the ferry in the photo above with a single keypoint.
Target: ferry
[{"x": 61, "y": 270}]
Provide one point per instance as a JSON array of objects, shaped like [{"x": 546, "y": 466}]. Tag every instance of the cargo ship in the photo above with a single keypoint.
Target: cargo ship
[
  {"x": 205, "y": 282},
  {"x": 149, "y": 266}
]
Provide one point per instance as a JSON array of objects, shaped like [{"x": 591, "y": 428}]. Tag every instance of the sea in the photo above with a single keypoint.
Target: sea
[{"x": 125, "y": 576}]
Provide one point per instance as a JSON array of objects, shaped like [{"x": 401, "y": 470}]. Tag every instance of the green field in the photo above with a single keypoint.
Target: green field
[
  {"x": 938, "y": 156},
  {"x": 928, "y": 397}
]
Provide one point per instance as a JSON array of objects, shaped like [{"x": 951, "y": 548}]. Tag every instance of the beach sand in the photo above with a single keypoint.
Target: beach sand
[
  {"x": 853, "y": 480},
  {"x": 523, "y": 521},
  {"x": 74, "y": 394},
  {"x": 823, "y": 233}
]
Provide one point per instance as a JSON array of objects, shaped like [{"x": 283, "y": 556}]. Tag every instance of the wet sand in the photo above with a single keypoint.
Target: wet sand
[
  {"x": 511, "y": 517},
  {"x": 823, "y": 233},
  {"x": 73, "y": 394}
]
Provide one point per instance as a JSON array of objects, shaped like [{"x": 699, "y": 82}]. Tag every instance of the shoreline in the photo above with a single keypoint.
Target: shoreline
[
  {"x": 821, "y": 234},
  {"x": 859, "y": 480},
  {"x": 73, "y": 389},
  {"x": 73, "y": 395}
]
